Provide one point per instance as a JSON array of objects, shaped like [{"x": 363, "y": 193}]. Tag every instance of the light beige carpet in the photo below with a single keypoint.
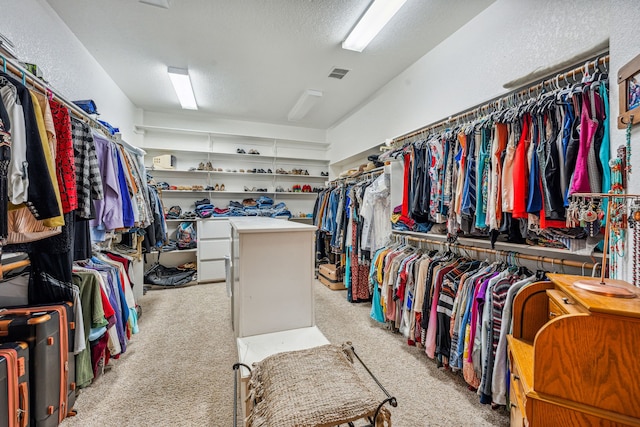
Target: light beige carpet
[{"x": 177, "y": 370}]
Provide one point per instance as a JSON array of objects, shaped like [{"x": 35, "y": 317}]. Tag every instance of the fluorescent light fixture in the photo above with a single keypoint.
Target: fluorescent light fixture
[
  {"x": 307, "y": 100},
  {"x": 379, "y": 13},
  {"x": 182, "y": 85},
  {"x": 164, "y": 4}
]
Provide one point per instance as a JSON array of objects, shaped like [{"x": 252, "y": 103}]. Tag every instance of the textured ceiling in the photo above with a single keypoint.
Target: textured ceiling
[{"x": 252, "y": 59}]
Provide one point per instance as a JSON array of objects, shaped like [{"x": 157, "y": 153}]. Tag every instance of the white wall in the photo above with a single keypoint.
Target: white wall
[
  {"x": 508, "y": 40},
  {"x": 201, "y": 122},
  {"x": 624, "y": 47},
  {"x": 41, "y": 37}
]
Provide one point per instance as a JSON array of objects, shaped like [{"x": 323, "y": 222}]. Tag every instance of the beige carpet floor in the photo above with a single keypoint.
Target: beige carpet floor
[{"x": 177, "y": 370}]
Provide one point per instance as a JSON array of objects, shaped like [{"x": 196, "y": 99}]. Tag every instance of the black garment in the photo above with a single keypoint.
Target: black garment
[
  {"x": 552, "y": 173},
  {"x": 82, "y": 240},
  {"x": 41, "y": 194},
  {"x": 419, "y": 186},
  {"x": 574, "y": 140},
  {"x": 5, "y": 159},
  {"x": 51, "y": 277}
]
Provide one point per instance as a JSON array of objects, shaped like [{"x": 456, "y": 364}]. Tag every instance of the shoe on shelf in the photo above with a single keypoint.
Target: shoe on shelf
[
  {"x": 269, "y": 171},
  {"x": 306, "y": 172},
  {"x": 279, "y": 189},
  {"x": 208, "y": 188},
  {"x": 240, "y": 151},
  {"x": 221, "y": 187},
  {"x": 209, "y": 167},
  {"x": 216, "y": 188},
  {"x": 252, "y": 151},
  {"x": 201, "y": 166},
  {"x": 281, "y": 171},
  {"x": 187, "y": 266},
  {"x": 242, "y": 170}
]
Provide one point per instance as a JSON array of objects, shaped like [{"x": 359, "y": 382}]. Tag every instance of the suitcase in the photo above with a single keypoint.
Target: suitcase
[
  {"x": 14, "y": 384},
  {"x": 41, "y": 328},
  {"x": 68, "y": 318},
  {"x": 331, "y": 276}
]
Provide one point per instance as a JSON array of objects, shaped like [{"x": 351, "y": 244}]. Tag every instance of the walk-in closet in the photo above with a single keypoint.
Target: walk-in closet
[{"x": 319, "y": 213}]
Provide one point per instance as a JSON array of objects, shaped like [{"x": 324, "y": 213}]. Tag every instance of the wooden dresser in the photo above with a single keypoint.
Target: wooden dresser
[{"x": 574, "y": 356}]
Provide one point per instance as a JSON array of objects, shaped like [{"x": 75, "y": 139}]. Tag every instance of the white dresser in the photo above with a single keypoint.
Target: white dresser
[
  {"x": 213, "y": 246},
  {"x": 272, "y": 275}
]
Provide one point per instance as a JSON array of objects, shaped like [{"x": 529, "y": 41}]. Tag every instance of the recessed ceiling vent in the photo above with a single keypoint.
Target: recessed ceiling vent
[{"x": 338, "y": 73}]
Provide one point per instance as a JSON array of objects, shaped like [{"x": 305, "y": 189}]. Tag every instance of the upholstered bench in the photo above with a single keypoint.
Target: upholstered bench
[{"x": 316, "y": 387}]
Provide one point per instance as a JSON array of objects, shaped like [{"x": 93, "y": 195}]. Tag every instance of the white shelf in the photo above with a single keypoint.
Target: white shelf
[
  {"x": 258, "y": 174},
  {"x": 220, "y": 193},
  {"x": 177, "y": 251},
  {"x": 143, "y": 128},
  {"x": 296, "y": 193},
  {"x": 189, "y": 191},
  {"x": 252, "y": 158}
]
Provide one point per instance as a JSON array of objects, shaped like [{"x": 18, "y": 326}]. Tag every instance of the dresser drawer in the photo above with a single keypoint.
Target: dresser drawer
[
  {"x": 560, "y": 304},
  {"x": 516, "y": 413},
  {"x": 214, "y": 228},
  {"x": 517, "y": 396},
  {"x": 211, "y": 271},
  {"x": 212, "y": 249}
]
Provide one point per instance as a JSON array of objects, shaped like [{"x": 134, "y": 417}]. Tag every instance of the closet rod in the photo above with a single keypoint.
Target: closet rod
[
  {"x": 360, "y": 177},
  {"x": 519, "y": 92},
  {"x": 26, "y": 75},
  {"x": 541, "y": 259}
]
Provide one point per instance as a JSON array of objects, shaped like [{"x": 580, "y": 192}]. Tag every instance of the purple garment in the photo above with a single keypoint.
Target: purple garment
[
  {"x": 109, "y": 209},
  {"x": 476, "y": 308},
  {"x": 128, "y": 218}
]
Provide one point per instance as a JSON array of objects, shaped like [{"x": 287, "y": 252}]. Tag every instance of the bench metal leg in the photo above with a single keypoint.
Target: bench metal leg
[{"x": 236, "y": 367}]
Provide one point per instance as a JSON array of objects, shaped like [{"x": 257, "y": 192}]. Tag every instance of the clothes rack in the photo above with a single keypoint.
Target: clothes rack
[
  {"x": 506, "y": 254},
  {"x": 357, "y": 178},
  {"x": 9, "y": 65},
  {"x": 510, "y": 99}
]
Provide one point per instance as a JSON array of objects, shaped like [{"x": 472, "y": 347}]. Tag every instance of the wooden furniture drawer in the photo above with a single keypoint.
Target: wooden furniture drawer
[
  {"x": 517, "y": 396},
  {"x": 516, "y": 414},
  {"x": 560, "y": 304}
]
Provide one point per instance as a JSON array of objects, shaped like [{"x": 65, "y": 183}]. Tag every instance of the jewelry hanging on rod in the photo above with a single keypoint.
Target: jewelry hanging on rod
[
  {"x": 628, "y": 148},
  {"x": 634, "y": 224}
]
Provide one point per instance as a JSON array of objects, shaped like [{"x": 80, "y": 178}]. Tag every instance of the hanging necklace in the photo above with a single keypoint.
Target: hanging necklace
[
  {"x": 634, "y": 223},
  {"x": 628, "y": 157}
]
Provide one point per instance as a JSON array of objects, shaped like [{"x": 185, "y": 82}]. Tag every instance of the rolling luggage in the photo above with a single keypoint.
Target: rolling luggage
[
  {"x": 67, "y": 317},
  {"x": 46, "y": 330},
  {"x": 14, "y": 384}
]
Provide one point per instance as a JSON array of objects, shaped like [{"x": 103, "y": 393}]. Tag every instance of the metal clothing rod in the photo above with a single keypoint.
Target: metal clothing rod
[
  {"x": 526, "y": 91},
  {"x": 360, "y": 177},
  {"x": 540, "y": 259},
  {"x": 27, "y": 77}
]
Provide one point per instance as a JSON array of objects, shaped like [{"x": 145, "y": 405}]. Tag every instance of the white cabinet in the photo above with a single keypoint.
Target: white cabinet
[
  {"x": 213, "y": 246},
  {"x": 272, "y": 275}
]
